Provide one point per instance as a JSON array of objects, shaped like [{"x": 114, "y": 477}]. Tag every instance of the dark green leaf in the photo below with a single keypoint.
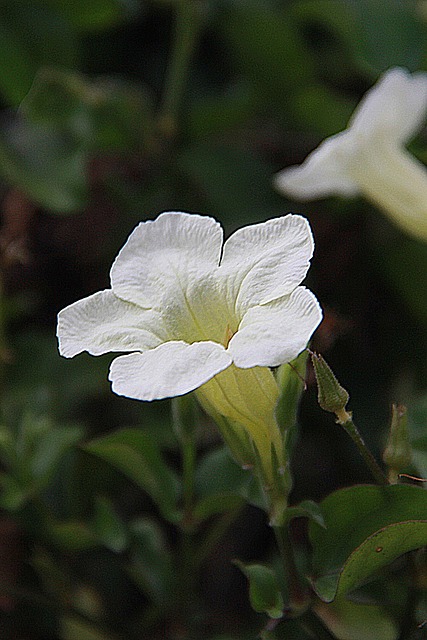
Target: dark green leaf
[
  {"x": 49, "y": 450},
  {"x": 218, "y": 475},
  {"x": 217, "y": 503},
  {"x": 47, "y": 164},
  {"x": 390, "y": 33},
  {"x": 366, "y": 528},
  {"x": 266, "y": 46},
  {"x": 264, "y": 591},
  {"x": 306, "y": 509},
  {"x": 150, "y": 561},
  {"x": 72, "y": 536},
  {"x": 138, "y": 456},
  {"x": 107, "y": 525}
]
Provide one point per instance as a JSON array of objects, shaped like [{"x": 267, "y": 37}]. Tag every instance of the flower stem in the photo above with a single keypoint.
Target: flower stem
[
  {"x": 298, "y": 593},
  {"x": 349, "y": 426},
  {"x": 187, "y": 26}
]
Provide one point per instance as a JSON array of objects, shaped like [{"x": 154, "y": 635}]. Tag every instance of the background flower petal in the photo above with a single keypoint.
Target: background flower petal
[
  {"x": 265, "y": 261},
  {"x": 323, "y": 173},
  {"x": 394, "y": 108},
  {"x": 275, "y": 333},
  {"x": 172, "y": 369},
  {"x": 161, "y": 256},
  {"x": 102, "y": 322}
]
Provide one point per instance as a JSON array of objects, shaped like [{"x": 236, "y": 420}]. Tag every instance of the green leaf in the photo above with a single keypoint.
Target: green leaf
[
  {"x": 49, "y": 450},
  {"x": 135, "y": 454},
  {"x": 347, "y": 619},
  {"x": 31, "y": 36},
  {"x": 404, "y": 262},
  {"x": 46, "y": 163},
  {"x": 266, "y": 46},
  {"x": 264, "y": 591},
  {"x": 108, "y": 527},
  {"x": 94, "y": 15},
  {"x": 390, "y": 33},
  {"x": 217, "y": 503},
  {"x": 233, "y": 182},
  {"x": 218, "y": 475},
  {"x": 72, "y": 536},
  {"x": 306, "y": 509},
  {"x": 366, "y": 528},
  {"x": 151, "y": 564}
]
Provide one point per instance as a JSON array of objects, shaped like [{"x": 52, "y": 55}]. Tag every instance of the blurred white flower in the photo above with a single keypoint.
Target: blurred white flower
[
  {"x": 369, "y": 158},
  {"x": 198, "y": 315}
]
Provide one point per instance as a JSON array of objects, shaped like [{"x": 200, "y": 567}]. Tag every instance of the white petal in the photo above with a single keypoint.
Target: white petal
[
  {"x": 264, "y": 261},
  {"x": 394, "y": 108},
  {"x": 163, "y": 255},
  {"x": 102, "y": 322},
  {"x": 172, "y": 369},
  {"x": 275, "y": 333},
  {"x": 323, "y": 173}
]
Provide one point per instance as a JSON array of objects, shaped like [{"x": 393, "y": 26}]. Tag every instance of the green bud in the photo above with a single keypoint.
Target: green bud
[
  {"x": 398, "y": 453},
  {"x": 331, "y": 395}
]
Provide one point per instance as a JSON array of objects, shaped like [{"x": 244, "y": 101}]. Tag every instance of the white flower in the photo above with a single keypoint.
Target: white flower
[
  {"x": 369, "y": 158},
  {"x": 198, "y": 315}
]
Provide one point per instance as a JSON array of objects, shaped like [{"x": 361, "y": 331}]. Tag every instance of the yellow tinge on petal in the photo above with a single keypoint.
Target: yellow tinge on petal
[{"x": 248, "y": 397}]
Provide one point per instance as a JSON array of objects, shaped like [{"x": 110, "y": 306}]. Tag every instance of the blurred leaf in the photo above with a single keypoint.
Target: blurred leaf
[
  {"x": 306, "y": 509},
  {"x": 49, "y": 450},
  {"x": 12, "y": 495},
  {"x": 16, "y": 70},
  {"x": 390, "y": 33},
  {"x": 404, "y": 262},
  {"x": 216, "y": 113},
  {"x": 72, "y": 536},
  {"x": 73, "y": 627},
  {"x": 367, "y": 527},
  {"x": 138, "y": 456},
  {"x": 264, "y": 592},
  {"x": 108, "y": 527},
  {"x": 46, "y": 163},
  {"x": 322, "y": 110},
  {"x": 31, "y": 36},
  {"x": 266, "y": 45},
  {"x": 234, "y": 182},
  {"x": 95, "y": 15},
  {"x": 354, "y": 620},
  {"x": 218, "y": 475},
  {"x": 150, "y": 561},
  {"x": 217, "y": 503}
]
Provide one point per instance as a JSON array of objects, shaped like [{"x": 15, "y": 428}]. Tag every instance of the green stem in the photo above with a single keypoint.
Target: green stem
[
  {"x": 187, "y": 26},
  {"x": 298, "y": 593},
  {"x": 372, "y": 464}
]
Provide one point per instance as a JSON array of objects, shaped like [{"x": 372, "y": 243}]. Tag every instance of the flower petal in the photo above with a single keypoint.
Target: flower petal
[
  {"x": 394, "y": 108},
  {"x": 162, "y": 256},
  {"x": 275, "y": 333},
  {"x": 323, "y": 173},
  {"x": 265, "y": 261},
  {"x": 172, "y": 369},
  {"x": 102, "y": 322}
]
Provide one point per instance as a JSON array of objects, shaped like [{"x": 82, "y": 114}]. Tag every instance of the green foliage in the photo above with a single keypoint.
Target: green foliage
[
  {"x": 138, "y": 456},
  {"x": 367, "y": 527},
  {"x": 121, "y": 540},
  {"x": 264, "y": 591}
]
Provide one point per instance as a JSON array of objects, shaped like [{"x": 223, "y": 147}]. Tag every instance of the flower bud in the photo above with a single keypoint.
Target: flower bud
[{"x": 331, "y": 395}]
